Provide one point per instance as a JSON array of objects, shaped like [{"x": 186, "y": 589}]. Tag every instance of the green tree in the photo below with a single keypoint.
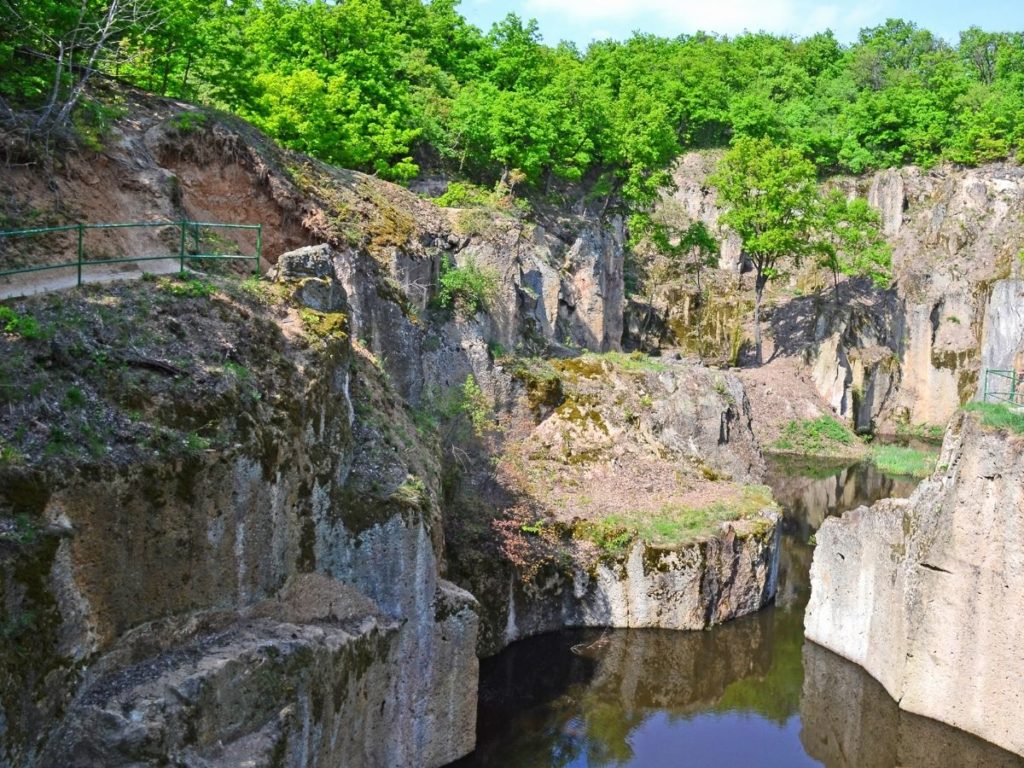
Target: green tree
[
  {"x": 768, "y": 194},
  {"x": 689, "y": 250},
  {"x": 846, "y": 240}
]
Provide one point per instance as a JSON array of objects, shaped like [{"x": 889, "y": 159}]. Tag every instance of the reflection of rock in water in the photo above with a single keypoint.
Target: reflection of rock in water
[
  {"x": 681, "y": 672},
  {"x": 584, "y": 691},
  {"x": 849, "y": 721},
  {"x": 809, "y": 499},
  {"x": 808, "y": 493}
]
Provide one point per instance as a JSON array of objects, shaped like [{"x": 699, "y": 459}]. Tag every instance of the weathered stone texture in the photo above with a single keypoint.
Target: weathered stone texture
[{"x": 926, "y": 594}]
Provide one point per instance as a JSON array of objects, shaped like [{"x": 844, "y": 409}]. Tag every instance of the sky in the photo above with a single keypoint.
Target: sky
[{"x": 585, "y": 20}]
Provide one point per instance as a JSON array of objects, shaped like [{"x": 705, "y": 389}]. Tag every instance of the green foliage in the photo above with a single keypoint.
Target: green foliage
[
  {"x": 467, "y": 289},
  {"x": 769, "y": 194},
  {"x": 372, "y": 85},
  {"x": 476, "y": 405},
  {"x": 823, "y": 436},
  {"x": 998, "y": 416},
  {"x": 673, "y": 524},
  {"x": 847, "y": 240},
  {"x": 899, "y": 460},
  {"x": 187, "y": 287},
  {"x": 16, "y": 324}
]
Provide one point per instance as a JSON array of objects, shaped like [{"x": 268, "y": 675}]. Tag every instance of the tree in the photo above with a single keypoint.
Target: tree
[
  {"x": 65, "y": 45},
  {"x": 847, "y": 241},
  {"x": 689, "y": 250},
  {"x": 768, "y": 193}
]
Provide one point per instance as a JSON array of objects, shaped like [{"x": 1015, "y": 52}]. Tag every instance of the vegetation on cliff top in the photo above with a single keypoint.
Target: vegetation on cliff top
[
  {"x": 166, "y": 366},
  {"x": 825, "y": 437},
  {"x": 998, "y": 416},
  {"x": 383, "y": 86}
]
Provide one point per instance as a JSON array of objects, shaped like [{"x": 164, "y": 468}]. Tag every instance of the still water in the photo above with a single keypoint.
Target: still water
[{"x": 751, "y": 693}]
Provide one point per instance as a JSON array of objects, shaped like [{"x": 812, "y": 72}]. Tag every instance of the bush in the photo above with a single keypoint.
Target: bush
[
  {"x": 467, "y": 289},
  {"x": 19, "y": 325},
  {"x": 816, "y": 437}
]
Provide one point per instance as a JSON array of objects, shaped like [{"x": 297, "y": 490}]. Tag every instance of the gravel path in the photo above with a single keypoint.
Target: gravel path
[{"x": 67, "y": 277}]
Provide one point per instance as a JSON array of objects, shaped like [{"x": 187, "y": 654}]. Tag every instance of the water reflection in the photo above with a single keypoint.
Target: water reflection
[
  {"x": 849, "y": 721},
  {"x": 749, "y": 693}
]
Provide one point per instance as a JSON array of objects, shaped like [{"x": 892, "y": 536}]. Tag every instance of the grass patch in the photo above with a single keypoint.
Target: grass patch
[
  {"x": 634, "y": 362},
  {"x": 673, "y": 524},
  {"x": 822, "y": 436},
  {"x": 897, "y": 460},
  {"x": 16, "y": 324},
  {"x": 998, "y": 416},
  {"x": 186, "y": 287}
]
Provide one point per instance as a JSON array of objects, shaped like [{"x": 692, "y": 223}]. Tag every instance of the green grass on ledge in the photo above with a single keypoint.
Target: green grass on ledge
[
  {"x": 673, "y": 525},
  {"x": 998, "y": 416},
  {"x": 823, "y": 436},
  {"x": 898, "y": 460}
]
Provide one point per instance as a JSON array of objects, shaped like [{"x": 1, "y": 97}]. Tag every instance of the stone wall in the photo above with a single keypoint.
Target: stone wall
[{"x": 925, "y": 594}]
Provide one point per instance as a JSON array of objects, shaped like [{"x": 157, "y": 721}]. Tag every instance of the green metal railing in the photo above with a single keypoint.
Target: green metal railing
[
  {"x": 183, "y": 254},
  {"x": 1003, "y": 387}
]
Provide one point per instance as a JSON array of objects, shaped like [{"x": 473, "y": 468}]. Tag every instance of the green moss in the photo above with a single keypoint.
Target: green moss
[
  {"x": 544, "y": 388},
  {"x": 584, "y": 366},
  {"x": 580, "y": 414},
  {"x": 326, "y": 326}
]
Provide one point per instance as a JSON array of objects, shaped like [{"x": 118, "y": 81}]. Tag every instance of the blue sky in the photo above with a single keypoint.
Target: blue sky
[{"x": 584, "y": 20}]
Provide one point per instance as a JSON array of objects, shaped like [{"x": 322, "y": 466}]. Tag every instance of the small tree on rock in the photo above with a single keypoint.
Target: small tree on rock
[
  {"x": 848, "y": 242},
  {"x": 769, "y": 196}
]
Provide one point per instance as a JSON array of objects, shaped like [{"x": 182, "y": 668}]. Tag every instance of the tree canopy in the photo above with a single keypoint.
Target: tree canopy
[{"x": 388, "y": 85}]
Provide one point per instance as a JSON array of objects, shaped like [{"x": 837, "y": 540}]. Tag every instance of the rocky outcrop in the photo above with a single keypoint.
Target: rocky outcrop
[
  {"x": 925, "y": 593},
  {"x": 1003, "y": 338},
  {"x": 909, "y": 356},
  {"x": 691, "y": 586},
  {"x": 243, "y": 602},
  {"x": 624, "y": 495}
]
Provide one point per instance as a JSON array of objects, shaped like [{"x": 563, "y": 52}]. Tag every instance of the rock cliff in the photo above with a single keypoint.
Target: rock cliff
[
  {"x": 925, "y": 593},
  {"x": 224, "y": 504},
  {"x": 908, "y": 356},
  {"x": 247, "y": 560}
]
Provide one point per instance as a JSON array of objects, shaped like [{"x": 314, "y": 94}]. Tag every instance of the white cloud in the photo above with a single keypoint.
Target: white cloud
[{"x": 673, "y": 17}]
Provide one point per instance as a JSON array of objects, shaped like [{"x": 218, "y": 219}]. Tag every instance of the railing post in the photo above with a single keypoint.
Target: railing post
[
  {"x": 81, "y": 251},
  {"x": 181, "y": 252},
  {"x": 1013, "y": 387},
  {"x": 259, "y": 247}
]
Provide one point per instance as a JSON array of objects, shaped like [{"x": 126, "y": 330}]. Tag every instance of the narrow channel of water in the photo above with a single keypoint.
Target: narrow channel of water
[{"x": 751, "y": 693}]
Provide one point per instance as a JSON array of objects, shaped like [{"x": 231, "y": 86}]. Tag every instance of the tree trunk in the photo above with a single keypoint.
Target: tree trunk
[{"x": 759, "y": 283}]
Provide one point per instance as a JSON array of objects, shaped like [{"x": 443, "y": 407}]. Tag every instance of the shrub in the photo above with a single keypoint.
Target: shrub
[
  {"x": 19, "y": 325},
  {"x": 820, "y": 436},
  {"x": 467, "y": 289}
]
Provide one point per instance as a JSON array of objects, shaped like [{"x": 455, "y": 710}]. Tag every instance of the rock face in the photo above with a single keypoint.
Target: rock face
[
  {"x": 687, "y": 587},
  {"x": 275, "y": 602},
  {"x": 1003, "y": 338},
  {"x": 907, "y": 356},
  {"x": 591, "y": 447},
  {"x": 925, "y": 593}
]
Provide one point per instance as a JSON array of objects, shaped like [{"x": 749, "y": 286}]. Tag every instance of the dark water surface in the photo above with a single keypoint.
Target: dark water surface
[{"x": 749, "y": 694}]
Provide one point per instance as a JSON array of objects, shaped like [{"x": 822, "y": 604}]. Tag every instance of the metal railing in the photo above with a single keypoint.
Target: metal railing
[
  {"x": 184, "y": 252},
  {"x": 1003, "y": 387}
]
